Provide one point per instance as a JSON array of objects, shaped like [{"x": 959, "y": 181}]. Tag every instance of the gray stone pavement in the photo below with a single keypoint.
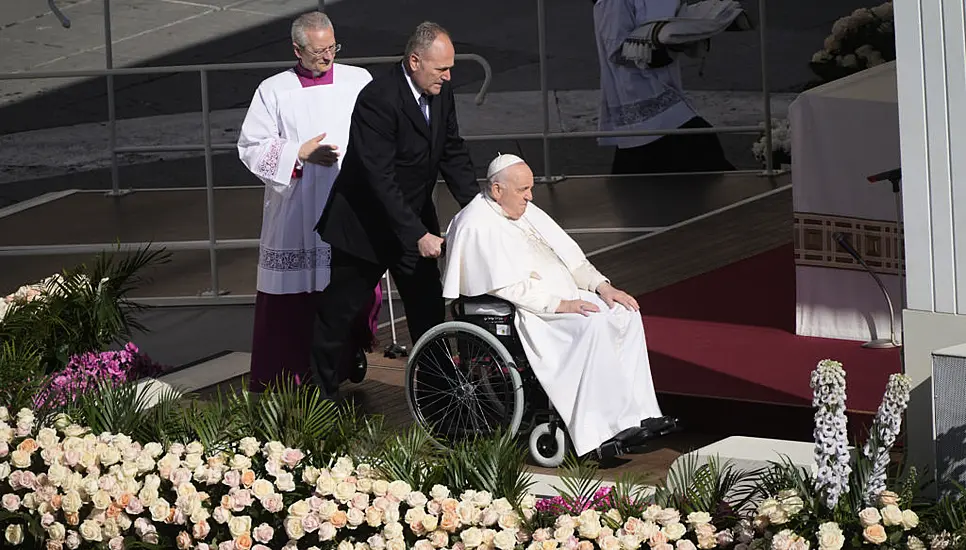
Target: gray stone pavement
[
  {"x": 54, "y": 129},
  {"x": 166, "y": 32}
]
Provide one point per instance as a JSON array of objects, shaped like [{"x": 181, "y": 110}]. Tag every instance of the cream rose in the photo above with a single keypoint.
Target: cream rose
[
  {"x": 239, "y": 525},
  {"x": 14, "y": 534},
  {"x": 261, "y": 488},
  {"x": 674, "y": 531},
  {"x": 91, "y": 531},
  {"x": 472, "y": 537},
  {"x": 293, "y": 527}
]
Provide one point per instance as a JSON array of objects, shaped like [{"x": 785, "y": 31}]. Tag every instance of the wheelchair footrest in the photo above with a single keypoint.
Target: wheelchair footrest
[{"x": 610, "y": 449}]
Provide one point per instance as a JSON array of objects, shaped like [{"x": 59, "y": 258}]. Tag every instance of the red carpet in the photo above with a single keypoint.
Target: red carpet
[{"x": 730, "y": 334}]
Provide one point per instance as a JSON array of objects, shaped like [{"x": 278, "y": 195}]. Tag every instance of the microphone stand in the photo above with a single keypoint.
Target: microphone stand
[
  {"x": 878, "y": 343},
  {"x": 895, "y": 178}
]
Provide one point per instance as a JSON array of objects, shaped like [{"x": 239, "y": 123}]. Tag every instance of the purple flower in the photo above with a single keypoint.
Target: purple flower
[{"x": 87, "y": 370}]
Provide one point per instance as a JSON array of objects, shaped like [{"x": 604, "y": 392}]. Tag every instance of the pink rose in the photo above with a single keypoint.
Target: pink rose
[
  {"x": 360, "y": 501},
  {"x": 291, "y": 457},
  {"x": 116, "y": 543},
  {"x": 311, "y": 523},
  {"x": 201, "y": 529},
  {"x": 11, "y": 502},
  {"x": 243, "y": 499},
  {"x": 273, "y": 503},
  {"x": 232, "y": 478},
  {"x": 134, "y": 507},
  {"x": 264, "y": 533},
  {"x": 227, "y": 545}
]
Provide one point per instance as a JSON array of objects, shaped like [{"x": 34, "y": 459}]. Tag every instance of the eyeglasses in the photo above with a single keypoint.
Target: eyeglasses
[{"x": 332, "y": 50}]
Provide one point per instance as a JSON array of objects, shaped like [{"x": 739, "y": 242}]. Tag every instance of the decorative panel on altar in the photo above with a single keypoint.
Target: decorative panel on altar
[{"x": 843, "y": 132}]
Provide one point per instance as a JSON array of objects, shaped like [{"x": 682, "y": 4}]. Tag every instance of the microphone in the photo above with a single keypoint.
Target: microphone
[{"x": 878, "y": 343}]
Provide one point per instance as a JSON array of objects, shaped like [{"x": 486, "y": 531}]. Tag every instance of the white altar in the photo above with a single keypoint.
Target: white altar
[{"x": 843, "y": 132}]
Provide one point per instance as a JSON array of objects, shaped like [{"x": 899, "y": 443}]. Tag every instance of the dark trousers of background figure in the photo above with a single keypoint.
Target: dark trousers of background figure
[
  {"x": 674, "y": 153},
  {"x": 352, "y": 281},
  {"x": 282, "y": 338}
]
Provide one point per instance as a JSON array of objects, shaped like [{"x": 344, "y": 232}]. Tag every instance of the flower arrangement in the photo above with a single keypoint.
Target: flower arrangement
[
  {"x": 781, "y": 143},
  {"x": 64, "y": 487},
  {"x": 86, "y": 371},
  {"x": 864, "y": 39}
]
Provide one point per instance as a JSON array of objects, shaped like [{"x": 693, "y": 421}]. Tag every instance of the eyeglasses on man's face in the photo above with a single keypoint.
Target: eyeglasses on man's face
[{"x": 331, "y": 50}]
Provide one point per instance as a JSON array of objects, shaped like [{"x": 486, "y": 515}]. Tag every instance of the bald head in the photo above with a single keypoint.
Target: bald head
[{"x": 512, "y": 188}]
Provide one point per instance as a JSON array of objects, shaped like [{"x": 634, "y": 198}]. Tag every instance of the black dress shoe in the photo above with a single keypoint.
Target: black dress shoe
[{"x": 661, "y": 425}]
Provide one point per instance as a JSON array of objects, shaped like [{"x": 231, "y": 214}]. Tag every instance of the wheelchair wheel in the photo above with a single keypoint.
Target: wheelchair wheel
[
  {"x": 548, "y": 450},
  {"x": 462, "y": 382},
  {"x": 360, "y": 368}
]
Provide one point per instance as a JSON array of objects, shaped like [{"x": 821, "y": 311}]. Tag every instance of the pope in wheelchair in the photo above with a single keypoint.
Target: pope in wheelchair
[{"x": 539, "y": 336}]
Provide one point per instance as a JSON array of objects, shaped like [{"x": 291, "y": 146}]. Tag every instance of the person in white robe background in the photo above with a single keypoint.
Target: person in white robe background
[
  {"x": 649, "y": 97},
  {"x": 294, "y": 131},
  {"x": 584, "y": 338}
]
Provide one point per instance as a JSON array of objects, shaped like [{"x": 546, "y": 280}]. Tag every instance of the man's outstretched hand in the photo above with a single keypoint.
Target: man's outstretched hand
[
  {"x": 582, "y": 307},
  {"x": 430, "y": 246},
  {"x": 611, "y": 295}
]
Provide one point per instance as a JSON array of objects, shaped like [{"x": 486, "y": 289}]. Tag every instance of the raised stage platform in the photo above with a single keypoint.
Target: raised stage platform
[{"x": 709, "y": 258}]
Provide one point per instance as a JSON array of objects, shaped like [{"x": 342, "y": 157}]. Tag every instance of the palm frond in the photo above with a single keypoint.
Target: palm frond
[
  {"x": 718, "y": 489},
  {"x": 495, "y": 464},
  {"x": 411, "y": 457},
  {"x": 111, "y": 408},
  {"x": 580, "y": 482},
  {"x": 295, "y": 415}
]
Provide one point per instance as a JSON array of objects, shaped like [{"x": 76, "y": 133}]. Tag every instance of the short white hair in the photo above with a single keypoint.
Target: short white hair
[{"x": 313, "y": 20}]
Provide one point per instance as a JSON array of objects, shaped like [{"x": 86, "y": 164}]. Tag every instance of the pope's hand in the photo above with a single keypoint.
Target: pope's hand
[
  {"x": 316, "y": 152},
  {"x": 430, "y": 246},
  {"x": 611, "y": 295},
  {"x": 582, "y": 307}
]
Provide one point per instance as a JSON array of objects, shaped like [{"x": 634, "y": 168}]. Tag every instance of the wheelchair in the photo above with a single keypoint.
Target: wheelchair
[{"x": 470, "y": 377}]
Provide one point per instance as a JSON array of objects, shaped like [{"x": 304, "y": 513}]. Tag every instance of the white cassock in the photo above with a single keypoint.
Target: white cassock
[
  {"x": 631, "y": 97},
  {"x": 283, "y": 115},
  {"x": 594, "y": 369}
]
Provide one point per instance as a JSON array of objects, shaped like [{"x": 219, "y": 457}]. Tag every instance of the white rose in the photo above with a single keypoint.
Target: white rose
[
  {"x": 101, "y": 500},
  {"x": 20, "y": 459},
  {"x": 439, "y": 492},
  {"x": 891, "y": 515},
  {"x": 285, "y": 482},
  {"x": 91, "y": 531},
  {"x": 472, "y": 537},
  {"x": 262, "y": 488},
  {"x": 56, "y": 531},
  {"x": 293, "y": 527},
  {"x": 699, "y": 518},
  {"x": 399, "y": 489},
  {"x": 72, "y": 540},
  {"x": 869, "y": 516},
  {"x": 674, "y": 531},
  {"x": 239, "y": 525},
  {"x": 380, "y": 487},
  {"x": 505, "y": 540},
  {"x": 909, "y": 520},
  {"x": 14, "y": 534},
  {"x": 248, "y": 446}
]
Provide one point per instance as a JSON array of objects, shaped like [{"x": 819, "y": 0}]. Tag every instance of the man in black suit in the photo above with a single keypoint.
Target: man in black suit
[{"x": 380, "y": 215}]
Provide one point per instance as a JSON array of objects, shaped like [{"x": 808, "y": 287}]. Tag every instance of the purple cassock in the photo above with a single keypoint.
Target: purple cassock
[{"x": 284, "y": 322}]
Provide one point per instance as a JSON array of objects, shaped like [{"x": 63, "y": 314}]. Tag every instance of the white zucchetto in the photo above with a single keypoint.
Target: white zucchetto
[{"x": 501, "y": 162}]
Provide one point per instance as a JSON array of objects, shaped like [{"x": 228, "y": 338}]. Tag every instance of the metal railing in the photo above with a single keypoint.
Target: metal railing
[{"x": 208, "y": 147}]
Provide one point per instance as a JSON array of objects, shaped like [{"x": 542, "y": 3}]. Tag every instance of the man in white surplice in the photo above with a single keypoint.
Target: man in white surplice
[
  {"x": 583, "y": 338},
  {"x": 295, "y": 128}
]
